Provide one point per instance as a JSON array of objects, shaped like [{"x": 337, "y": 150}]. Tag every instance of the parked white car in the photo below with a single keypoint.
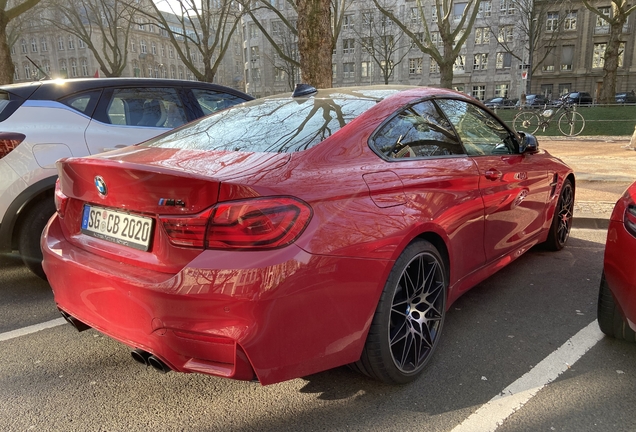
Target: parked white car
[{"x": 41, "y": 122}]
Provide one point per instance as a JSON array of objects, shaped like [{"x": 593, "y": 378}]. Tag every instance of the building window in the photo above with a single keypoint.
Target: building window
[
  {"x": 507, "y": 7},
  {"x": 415, "y": 65},
  {"x": 482, "y": 36},
  {"x": 60, "y": 43},
  {"x": 433, "y": 67},
  {"x": 485, "y": 9},
  {"x": 334, "y": 70},
  {"x": 23, "y": 44},
  {"x": 27, "y": 70},
  {"x": 349, "y": 70},
  {"x": 140, "y": 27},
  {"x": 84, "y": 67},
  {"x": 366, "y": 69},
  {"x": 16, "y": 74},
  {"x": 170, "y": 52},
  {"x": 133, "y": 48},
  {"x": 414, "y": 15},
  {"x": 506, "y": 34},
  {"x": 621, "y": 54},
  {"x": 71, "y": 43},
  {"x": 367, "y": 18},
  {"x": 479, "y": 92},
  {"x": 458, "y": 10},
  {"x": 436, "y": 39},
  {"x": 567, "y": 55},
  {"x": 279, "y": 75},
  {"x": 80, "y": 43},
  {"x": 434, "y": 13},
  {"x": 153, "y": 48},
  {"x": 348, "y": 46},
  {"x": 480, "y": 62},
  {"x": 570, "y": 21},
  {"x": 550, "y": 59},
  {"x": 501, "y": 90},
  {"x": 546, "y": 90},
  {"x": 34, "y": 45},
  {"x": 460, "y": 63},
  {"x": 504, "y": 60},
  {"x": 73, "y": 68},
  {"x": 253, "y": 30},
  {"x": 598, "y": 58},
  {"x": 552, "y": 22},
  {"x": 602, "y": 25},
  {"x": 254, "y": 53},
  {"x": 142, "y": 47},
  {"x": 564, "y": 88},
  {"x": 347, "y": 22}
]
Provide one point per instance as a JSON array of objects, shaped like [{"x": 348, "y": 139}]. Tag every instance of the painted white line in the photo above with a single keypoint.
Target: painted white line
[
  {"x": 31, "y": 329},
  {"x": 492, "y": 414}
]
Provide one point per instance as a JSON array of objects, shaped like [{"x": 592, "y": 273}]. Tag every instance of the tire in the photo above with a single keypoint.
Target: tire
[
  {"x": 33, "y": 223},
  {"x": 609, "y": 317},
  {"x": 408, "y": 321},
  {"x": 527, "y": 122},
  {"x": 571, "y": 123},
  {"x": 562, "y": 219}
]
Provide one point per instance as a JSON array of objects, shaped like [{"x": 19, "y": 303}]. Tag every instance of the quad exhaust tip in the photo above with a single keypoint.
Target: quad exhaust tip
[
  {"x": 147, "y": 359},
  {"x": 79, "y": 325}
]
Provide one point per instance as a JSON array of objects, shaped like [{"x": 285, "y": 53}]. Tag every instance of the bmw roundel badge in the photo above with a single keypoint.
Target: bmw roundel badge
[{"x": 100, "y": 184}]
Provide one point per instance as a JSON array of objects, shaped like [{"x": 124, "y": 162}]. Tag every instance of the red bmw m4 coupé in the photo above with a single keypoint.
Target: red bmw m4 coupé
[{"x": 292, "y": 234}]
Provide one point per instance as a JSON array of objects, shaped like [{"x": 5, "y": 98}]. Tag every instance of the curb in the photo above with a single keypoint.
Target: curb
[{"x": 590, "y": 223}]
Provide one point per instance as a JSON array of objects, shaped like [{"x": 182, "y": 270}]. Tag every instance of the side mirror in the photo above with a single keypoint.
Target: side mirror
[{"x": 529, "y": 143}]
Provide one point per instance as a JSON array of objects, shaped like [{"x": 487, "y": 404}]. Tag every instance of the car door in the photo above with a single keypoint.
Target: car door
[
  {"x": 129, "y": 115},
  {"x": 514, "y": 187},
  {"x": 440, "y": 182}
]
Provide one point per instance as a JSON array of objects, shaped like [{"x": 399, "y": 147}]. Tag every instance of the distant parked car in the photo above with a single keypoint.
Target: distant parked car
[
  {"x": 499, "y": 102},
  {"x": 535, "y": 100},
  {"x": 617, "y": 293},
  {"x": 41, "y": 122},
  {"x": 626, "y": 97},
  {"x": 578, "y": 98}
]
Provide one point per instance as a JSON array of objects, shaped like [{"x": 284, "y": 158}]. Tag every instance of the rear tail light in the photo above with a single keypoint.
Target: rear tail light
[
  {"x": 9, "y": 141},
  {"x": 630, "y": 219},
  {"x": 253, "y": 224},
  {"x": 61, "y": 200}
]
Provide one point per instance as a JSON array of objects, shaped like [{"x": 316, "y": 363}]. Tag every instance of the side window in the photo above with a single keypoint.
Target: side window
[
  {"x": 83, "y": 102},
  {"x": 150, "y": 107},
  {"x": 480, "y": 133},
  {"x": 211, "y": 101},
  {"x": 417, "y": 131}
]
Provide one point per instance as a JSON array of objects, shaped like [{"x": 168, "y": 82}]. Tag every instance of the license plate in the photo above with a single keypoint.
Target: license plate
[{"x": 117, "y": 227}]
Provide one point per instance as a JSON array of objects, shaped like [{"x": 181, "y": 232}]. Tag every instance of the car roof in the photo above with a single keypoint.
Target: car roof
[{"x": 55, "y": 89}]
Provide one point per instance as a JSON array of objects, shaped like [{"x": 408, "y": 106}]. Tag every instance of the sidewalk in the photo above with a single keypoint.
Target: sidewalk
[{"x": 603, "y": 167}]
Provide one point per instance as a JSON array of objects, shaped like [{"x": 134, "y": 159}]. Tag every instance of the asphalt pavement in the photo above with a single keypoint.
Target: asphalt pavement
[{"x": 604, "y": 167}]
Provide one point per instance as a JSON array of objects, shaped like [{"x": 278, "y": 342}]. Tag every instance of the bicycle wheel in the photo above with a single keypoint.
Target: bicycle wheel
[
  {"x": 526, "y": 122},
  {"x": 571, "y": 123}
]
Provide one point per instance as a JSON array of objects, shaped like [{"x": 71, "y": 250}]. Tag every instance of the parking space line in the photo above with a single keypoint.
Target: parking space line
[
  {"x": 31, "y": 329},
  {"x": 492, "y": 414}
]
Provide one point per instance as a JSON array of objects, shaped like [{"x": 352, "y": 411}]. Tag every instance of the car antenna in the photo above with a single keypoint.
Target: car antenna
[{"x": 46, "y": 76}]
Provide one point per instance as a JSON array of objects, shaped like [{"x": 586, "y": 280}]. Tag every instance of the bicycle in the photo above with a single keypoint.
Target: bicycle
[{"x": 571, "y": 123}]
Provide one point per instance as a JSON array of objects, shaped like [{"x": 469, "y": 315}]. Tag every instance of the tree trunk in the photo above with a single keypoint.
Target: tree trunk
[
  {"x": 6, "y": 64},
  {"x": 315, "y": 42},
  {"x": 446, "y": 74},
  {"x": 610, "y": 66}
]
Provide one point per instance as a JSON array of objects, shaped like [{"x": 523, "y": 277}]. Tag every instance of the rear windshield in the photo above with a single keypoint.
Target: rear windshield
[
  {"x": 269, "y": 125},
  {"x": 8, "y": 104}
]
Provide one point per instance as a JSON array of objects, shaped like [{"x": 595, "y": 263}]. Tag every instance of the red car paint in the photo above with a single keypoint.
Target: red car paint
[
  {"x": 279, "y": 313},
  {"x": 620, "y": 248}
]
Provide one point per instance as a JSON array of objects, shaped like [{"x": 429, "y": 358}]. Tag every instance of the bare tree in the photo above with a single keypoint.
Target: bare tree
[
  {"x": 103, "y": 25},
  {"x": 620, "y": 11},
  {"x": 528, "y": 38},
  {"x": 310, "y": 21},
  {"x": 9, "y": 11},
  {"x": 288, "y": 65},
  {"x": 379, "y": 41},
  {"x": 454, "y": 23},
  {"x": 202, "y": 28}
]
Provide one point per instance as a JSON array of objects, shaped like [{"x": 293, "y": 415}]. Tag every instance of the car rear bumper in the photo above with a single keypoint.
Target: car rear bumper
[{"x": 275, "y": 315}]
